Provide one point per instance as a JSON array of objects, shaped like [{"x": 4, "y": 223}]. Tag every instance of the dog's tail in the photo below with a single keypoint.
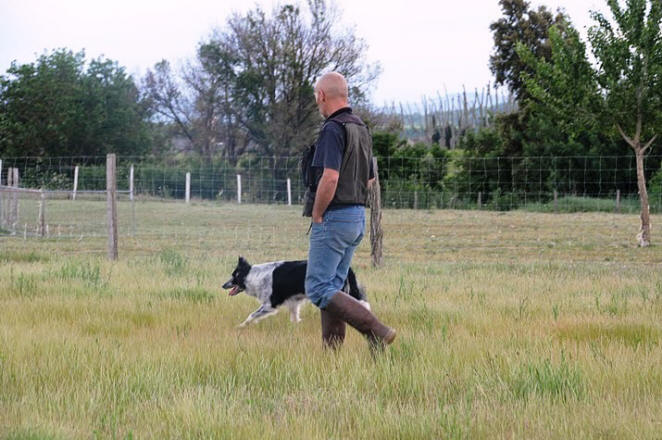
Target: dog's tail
[{"x": 355, "y": 290}]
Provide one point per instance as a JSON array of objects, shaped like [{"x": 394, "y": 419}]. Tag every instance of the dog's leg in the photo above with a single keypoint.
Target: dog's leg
[
  {"x": 261, "y": 313},
  {"x": 294, "y": 307}
]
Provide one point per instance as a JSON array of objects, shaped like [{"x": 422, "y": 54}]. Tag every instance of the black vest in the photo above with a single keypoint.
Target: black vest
[
  {"x": 354, "y": 170},
  {"x": 354, "y": 173}
]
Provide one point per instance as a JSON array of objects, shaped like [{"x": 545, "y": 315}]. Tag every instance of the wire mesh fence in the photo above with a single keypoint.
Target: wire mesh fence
[
  {"x": 66, "y": 199},
  {"x": 262, "y": 180},
  {"x": 55, "y": 214},
  {"x": 456, "y": 181}
]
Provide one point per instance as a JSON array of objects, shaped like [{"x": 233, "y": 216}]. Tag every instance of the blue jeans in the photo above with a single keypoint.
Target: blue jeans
[{"x": 332, "y": 245}]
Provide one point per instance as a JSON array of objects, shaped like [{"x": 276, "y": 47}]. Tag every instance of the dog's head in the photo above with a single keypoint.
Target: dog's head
[{"x": 238, "y": 281}]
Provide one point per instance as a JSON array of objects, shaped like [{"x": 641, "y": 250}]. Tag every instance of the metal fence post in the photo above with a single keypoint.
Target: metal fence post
[
  {"x": 187, "y": 197},
  {"x": 131, "y": 186},
  {"x": 289, "y": 192},
  {"x": 111, "y": 199},
  {"x": 238, "y": 188},
  {"x": 73, "y": 195},
  {"x": 14, "y": 199}
]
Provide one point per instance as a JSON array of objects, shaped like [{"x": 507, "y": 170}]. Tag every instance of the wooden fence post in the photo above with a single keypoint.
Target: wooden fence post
[
  {"x": 556, "y": 202},
  {"x": 111, "y": 198},
  {"x": 0, "y": 172},
  {"x": 376, "y": 232},
  {"x": 73, "y": 196},
  {"x": 480, "y": 200},
  {"x": 618, "y": 200}
]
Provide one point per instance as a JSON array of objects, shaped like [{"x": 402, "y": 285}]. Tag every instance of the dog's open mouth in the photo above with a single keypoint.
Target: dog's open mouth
[{"x": 235, "y": 288}]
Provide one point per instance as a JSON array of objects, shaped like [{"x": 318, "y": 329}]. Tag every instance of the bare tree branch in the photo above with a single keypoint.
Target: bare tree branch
[{"x": 649, "y": 143}]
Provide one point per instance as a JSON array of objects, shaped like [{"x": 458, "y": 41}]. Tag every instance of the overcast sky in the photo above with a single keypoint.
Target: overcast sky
[{"x": 423, "y": 46}]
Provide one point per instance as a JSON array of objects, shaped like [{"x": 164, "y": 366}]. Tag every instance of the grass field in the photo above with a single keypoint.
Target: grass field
[{"x": 511, "y": 325}]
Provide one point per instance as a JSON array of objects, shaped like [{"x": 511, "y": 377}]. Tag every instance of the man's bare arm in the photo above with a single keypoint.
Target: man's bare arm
[{"x": 326, "y": 189}]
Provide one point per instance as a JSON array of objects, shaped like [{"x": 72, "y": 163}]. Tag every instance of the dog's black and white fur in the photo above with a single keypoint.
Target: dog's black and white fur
[{"x": 280, "y": 283}]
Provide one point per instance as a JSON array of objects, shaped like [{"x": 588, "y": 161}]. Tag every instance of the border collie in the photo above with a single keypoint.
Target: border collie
[{"x": 280, "y": 283}]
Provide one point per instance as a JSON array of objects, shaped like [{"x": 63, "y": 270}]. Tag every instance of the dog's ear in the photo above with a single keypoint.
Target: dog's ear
[{"x": 242, "y": 261}]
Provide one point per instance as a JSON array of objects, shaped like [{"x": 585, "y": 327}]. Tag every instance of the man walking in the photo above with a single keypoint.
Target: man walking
[{"x": 342, "y": 166}]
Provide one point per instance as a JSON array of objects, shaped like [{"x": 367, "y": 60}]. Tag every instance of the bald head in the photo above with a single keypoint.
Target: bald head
[
  {"x": 333, "y": 85},
  {"x": 331, "y": 93}
]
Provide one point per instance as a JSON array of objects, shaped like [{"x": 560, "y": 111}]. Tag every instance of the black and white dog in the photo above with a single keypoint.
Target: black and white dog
[{"x": 280, "y": 283}]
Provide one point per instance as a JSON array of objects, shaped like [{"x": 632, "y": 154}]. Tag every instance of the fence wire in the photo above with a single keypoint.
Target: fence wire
[
  {"x": 56, "y": 214},
  {"x": 569, "y": 183},
  {"x": 65, "y": 199}
]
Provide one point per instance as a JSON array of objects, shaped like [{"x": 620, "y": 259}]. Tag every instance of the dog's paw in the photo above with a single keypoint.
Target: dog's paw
[{"x": 242, "y": 325}]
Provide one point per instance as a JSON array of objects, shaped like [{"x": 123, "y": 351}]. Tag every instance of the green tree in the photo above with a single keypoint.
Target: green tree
[
  {"x": 564, "y": 87},
  {"x": 629, "y": 53},
  {"x": 519, "y": 26},
  {"x": 524, "y": 26},
  {"x": 620, "y": 97},
  {"x": 565, "y": 105},
  {"x": 251, "y": 86},
  {"x": 62, "y": 106}
]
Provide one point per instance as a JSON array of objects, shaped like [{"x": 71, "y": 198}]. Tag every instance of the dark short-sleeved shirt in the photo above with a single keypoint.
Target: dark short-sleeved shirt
[{"x": 331, "y": 145}]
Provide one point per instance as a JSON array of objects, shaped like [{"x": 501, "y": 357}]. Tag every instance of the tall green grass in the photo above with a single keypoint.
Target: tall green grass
[
  {"x": 511, "y": 325},
  {"x": 570, "y": 204}
]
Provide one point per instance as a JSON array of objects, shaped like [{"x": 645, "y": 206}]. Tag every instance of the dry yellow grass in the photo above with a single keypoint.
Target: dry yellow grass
[{"x": 511, "y": 325}]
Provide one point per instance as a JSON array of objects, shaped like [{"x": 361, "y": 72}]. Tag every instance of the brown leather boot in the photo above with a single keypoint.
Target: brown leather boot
[
  {"x": 343, "y": 306},
  {"x": 333, "y": 330}
]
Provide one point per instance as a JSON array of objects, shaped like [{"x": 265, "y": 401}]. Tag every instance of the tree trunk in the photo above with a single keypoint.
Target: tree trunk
[{"x": 644, "y": 236}]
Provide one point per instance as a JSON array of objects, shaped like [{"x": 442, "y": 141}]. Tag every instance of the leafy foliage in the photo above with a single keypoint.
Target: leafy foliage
[
  {"x": 62, "y": 106},
  {"x": 251, "y": 85},
  {"x": 520, "y": 25},
  {"x": 568, "y": 107},
  {"x": 629, "y": 54}
]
